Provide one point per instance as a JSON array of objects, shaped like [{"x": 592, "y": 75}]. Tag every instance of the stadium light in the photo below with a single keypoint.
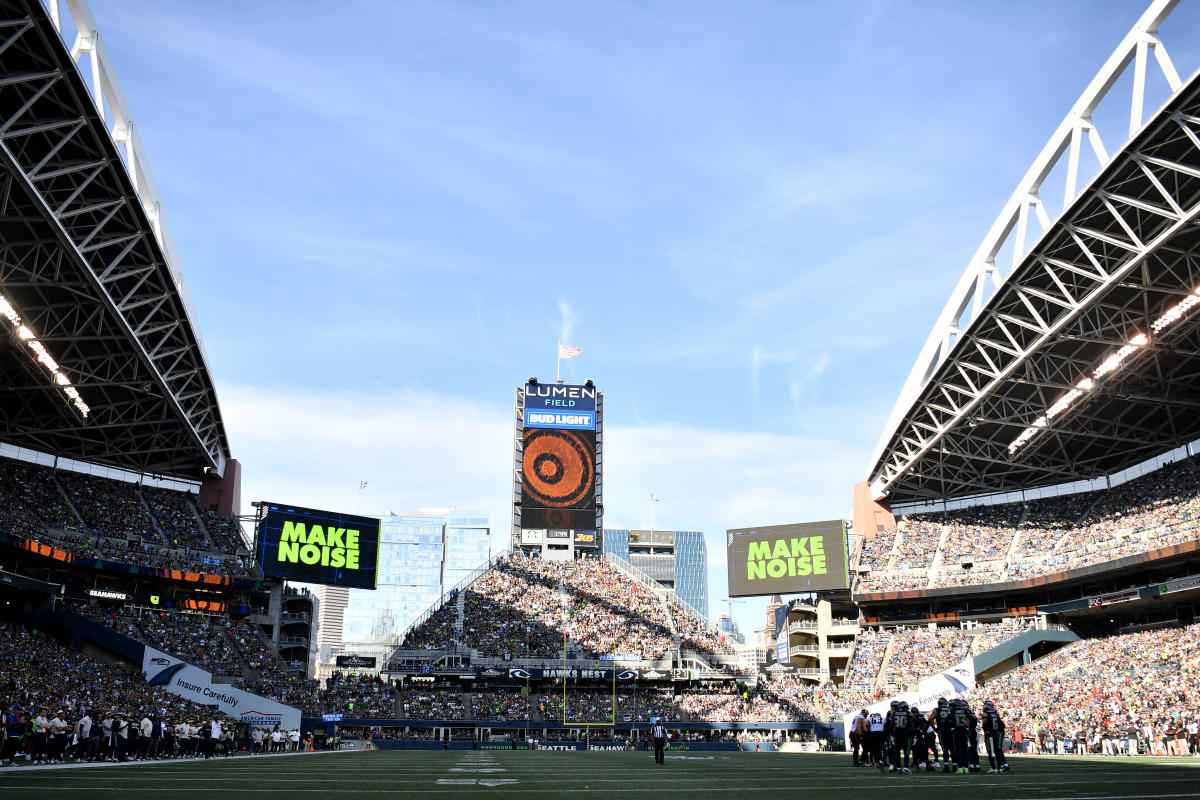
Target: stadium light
[
  {"x": 1107, "y": 367},
  {"x": 42, "y": 355}
]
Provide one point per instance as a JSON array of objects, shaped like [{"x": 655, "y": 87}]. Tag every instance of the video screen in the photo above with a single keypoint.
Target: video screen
[
  {"x": 558, "y": 481},
  {"x": 786, "y": 559},
  {"x": 303, "y": 544}
]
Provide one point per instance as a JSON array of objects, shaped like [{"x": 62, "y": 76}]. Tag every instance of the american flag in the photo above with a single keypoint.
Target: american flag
[{"x": 568, "y": 351}]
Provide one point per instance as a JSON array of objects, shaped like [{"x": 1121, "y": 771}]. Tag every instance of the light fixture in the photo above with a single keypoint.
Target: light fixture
[
  {"x": 1108, "y": 366},
  {"x": 42, "y": 355}
]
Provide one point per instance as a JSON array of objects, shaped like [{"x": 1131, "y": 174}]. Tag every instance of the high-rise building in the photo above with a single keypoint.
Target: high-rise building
[
  {"x": 728, "y": 627},
  {"x": 421, "y": 557},
  {"x": 677, "y": 560}
]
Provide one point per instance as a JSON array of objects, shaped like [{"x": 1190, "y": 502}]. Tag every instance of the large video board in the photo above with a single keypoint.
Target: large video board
[
  {"x": 302, "y": 544},
  {"x": 786, "y": 559},
  {"x": 558, "y": 479}
]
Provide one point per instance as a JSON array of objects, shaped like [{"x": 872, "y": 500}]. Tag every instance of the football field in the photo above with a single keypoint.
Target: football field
[{"x": 598, "y": 775}]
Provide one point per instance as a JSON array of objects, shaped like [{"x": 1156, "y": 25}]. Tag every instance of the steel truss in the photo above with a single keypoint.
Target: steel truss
[
  {"x": 82, "y": 263},
  {"x": 1123, "y": 252}
]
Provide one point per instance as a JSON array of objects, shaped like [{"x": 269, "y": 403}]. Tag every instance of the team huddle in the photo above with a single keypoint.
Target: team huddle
[{"x": 905, "y": 739}]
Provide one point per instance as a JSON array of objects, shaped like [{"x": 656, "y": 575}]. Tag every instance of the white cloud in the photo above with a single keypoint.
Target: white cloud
[{"x": 567, "y": 320}]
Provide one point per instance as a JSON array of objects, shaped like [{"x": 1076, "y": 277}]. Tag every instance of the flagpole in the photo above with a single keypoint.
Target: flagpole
[{"x": 558, "y": 365}]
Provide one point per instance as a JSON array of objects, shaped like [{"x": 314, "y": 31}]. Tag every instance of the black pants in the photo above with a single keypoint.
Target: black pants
[
  {"x": 995, "y": 750},
  {"x": 659, "y": 746},
  {"x": 917, "y": 741},
  {"x": 900, "y": 748},
  {"x": 962, "y": 749},
  {"x": 875, "y": 745}
]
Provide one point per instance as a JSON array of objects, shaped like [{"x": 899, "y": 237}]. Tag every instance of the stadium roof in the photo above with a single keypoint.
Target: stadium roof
[
  {"x": 93, "y": 302},
  {"x": 1086, "y": 359}
]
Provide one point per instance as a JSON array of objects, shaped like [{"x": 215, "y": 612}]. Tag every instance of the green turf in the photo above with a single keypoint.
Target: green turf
[{"x": 602, "y": 774}]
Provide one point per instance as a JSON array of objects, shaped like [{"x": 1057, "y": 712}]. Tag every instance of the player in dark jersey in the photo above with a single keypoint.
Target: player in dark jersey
[
  {"x": 993, "y": 737},
  {"x": 972, "y": 739},
  {"x": 916, "y": 737},
  {"x": 931, "y": 740},
  {"x": 896, "y": 728},
  {"x": 960, "y": 715},
  {"x": 945, "y": 731}
]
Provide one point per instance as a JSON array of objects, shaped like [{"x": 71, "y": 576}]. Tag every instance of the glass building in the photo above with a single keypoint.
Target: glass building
[
  {"x": 421, "y": 556},
  {"x": 677, "y": 560}
]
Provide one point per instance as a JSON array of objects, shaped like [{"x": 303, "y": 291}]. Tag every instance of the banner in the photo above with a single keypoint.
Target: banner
[
  {"x": 356, "y": 662},
  {"x": 521, "y": 674},
  {"x": 193, "y": 683},
  {"x": 1180, "y": 585},
  {"x": 951, "y": 683}
]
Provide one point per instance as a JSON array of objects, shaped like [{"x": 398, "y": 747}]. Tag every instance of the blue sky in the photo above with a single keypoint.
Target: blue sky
[{"x": 747, "y": 215}]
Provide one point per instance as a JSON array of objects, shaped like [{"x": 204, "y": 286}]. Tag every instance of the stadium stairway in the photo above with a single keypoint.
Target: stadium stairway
[
  {"x": 460, "y": 615},
  {"x": 203, "y": 528},
  {"x": 896, "y": 539},
  {"x": 85, "y": 629},
  {"x": 887, "y": 655}
]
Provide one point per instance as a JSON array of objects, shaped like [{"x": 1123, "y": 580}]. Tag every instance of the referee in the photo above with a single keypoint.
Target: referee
[{"x": 659, "y": 734}]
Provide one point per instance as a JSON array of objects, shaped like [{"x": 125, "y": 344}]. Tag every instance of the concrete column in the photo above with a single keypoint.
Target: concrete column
[{"x": 824, "y": 626}]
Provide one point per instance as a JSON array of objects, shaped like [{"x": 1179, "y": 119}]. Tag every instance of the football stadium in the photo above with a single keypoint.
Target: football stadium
[{"x": 1009, "y": 613}]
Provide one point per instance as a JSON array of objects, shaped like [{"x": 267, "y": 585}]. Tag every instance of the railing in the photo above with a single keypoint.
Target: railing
[{"x": 643, "y": 577}]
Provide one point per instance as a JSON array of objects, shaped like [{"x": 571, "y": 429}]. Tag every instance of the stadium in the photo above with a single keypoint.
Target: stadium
[{"x": 1027, "y": 533}]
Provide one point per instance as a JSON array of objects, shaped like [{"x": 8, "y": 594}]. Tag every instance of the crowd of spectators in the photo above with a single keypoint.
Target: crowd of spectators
[
  {"x": 176, "y": 518},
  {"x": 358, "y": 696},
  {"x": 508, "y": 705},
  {"x": 1096, "y": 695},
  {"x": 41, "y": 678},
  {"x": 219, "y": 644},
  {"x": 995, "y": 544},
  {"x": 117, "y": 522},
  {"x": 526, "y": 607},
  {"x": 225, "y": 532},
  {"x": 864, "y": 666},
  {"x": 109, "y": 508},
  {"x": 30, "y": 497}
]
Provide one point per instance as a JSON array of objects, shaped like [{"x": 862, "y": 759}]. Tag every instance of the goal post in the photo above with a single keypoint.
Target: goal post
[{"x": 612, "y": 720}]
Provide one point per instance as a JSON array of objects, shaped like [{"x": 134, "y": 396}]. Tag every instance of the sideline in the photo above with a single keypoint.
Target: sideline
[{"x": 15, "y": 768}]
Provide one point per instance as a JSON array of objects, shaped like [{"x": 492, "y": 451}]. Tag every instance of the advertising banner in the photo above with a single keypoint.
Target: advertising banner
[
  {"x": 302, "y": 544},
  {"x": 195, "y": 684},
  {"x": 531, "y": 536},
  {"x": 1115, "y": 597},
  {"x": 560, "y": 397},
  {"x": 787, "y": 559},
  {"x": 950, "y": 683},
  {"x": 1180, "y": 585},
  {"x": 575, "y": 673},
  {"x": 356, "y": 662},
  {"x": 585, "y": 538}
]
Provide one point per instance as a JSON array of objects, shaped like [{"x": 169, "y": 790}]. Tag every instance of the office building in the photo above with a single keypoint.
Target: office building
[
  {"x": 677, "y": 560},
  {"x": 421, "y": 557}
]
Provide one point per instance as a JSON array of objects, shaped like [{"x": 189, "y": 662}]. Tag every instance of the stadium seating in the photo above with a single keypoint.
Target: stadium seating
[
  {"x": 112, "y": 520},
  {"x": 523, "y": 607},
  {"x": 37, "y": 671},
  {"x": 220, "y": 645},
  {"x": 1144, "y": 686},
  {"x": 995, "y": 544}
]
